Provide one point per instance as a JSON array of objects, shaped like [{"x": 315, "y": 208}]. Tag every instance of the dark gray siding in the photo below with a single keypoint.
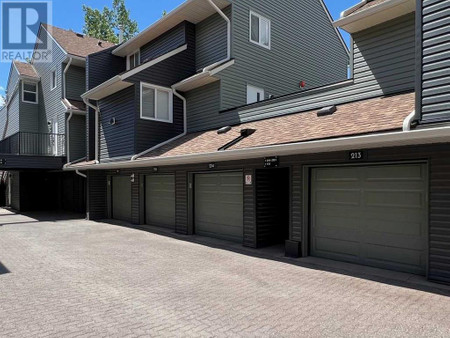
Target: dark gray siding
[
  {"x": 181, "y": 203},
  {"x": 76, "y": 82},
  {"x": 100, "y": 67},
  {"x": 96, "y": 197},
  {"x": 250, "y": 230},
  {"x": 201, "y": 102},
  {"x": 170, "y": 40},
  {"x": 117, "y": 140},
  {"x": 211, "y": 40},
  {"x": 15, "y": 189},
  {"x": 29, "y": 115},
  {"x": 435, "y": 92},
  {"x": 77, "y": 137},
  {"x": 12, "y": 118},
  {"x": 300, "y": 33},
  {"x": 367, "y": 83}
]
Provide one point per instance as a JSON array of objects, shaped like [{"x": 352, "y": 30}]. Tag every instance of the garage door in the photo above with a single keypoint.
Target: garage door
[
  {"x": 219, "y": 206},
  {"x": 160, "y": 200},
  {"x": 374, "y": 215},
  {"x": 121, "y": 198}
]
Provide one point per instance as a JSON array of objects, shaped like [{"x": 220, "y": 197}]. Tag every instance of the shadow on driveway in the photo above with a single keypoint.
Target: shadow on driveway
[
  {"x": 276, "y": 253},
  {"x": 3, "y": 269}
]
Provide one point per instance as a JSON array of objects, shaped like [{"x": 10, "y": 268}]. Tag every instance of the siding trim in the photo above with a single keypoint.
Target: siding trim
[{"x": 419, "y": 56}]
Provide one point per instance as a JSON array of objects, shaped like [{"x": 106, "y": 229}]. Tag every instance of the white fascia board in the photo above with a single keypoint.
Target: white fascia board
[{"x": 392, "y": 139}]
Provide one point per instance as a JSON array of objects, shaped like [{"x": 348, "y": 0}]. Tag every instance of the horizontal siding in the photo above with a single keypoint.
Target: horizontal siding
[
  {"x": 435, "y": 61},
  {"x": 12, "y": 119},
  {"x": 305, "y": 47},
  {"x": 203, "y": 101},
  {"x": 366, "y": 84},
  {"x": 181, "y": 203},
  {"x": 170, "y": 40},
  {"x": 117, "y": 140},
  {"x": 15, "y": 189},
  {"x": 96, "y": 199},
  {"x": 211, "y": 40},
  {"x": 76, "y": 82}
]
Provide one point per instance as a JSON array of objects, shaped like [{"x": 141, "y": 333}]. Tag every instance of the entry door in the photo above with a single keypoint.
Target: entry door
[
  {"x": 374, "y": 215},
  {"x": 121, "y": 198},
  {"x": 160, "y": 200},
  {"x": 219, "y": 210}
]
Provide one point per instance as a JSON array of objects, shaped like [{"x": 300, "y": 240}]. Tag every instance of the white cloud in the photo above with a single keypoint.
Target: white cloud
[
  {"x": 2, "y": 101},
  {"x": 2, "y": 89}
]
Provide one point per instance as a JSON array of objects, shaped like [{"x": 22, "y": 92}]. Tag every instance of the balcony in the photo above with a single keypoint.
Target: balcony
[{"x": 34, "y": 144}]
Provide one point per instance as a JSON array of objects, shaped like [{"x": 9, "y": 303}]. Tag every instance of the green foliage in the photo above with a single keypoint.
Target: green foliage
[
  {"x": 104, "y": 25},
  {"x": 164, "y": 12}
]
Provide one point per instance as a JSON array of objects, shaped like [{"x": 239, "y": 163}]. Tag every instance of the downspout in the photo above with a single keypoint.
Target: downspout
[
  {"x": 97, "y": 110},
  {"x": 80, "y": 174},
  {"x": 222, "y": 14},
  {"x": 71, "y": 112},
  {"x": 408, "y": 121},
  {"x": 206, "y": 69},
  {"x": 182, "y": 98}
]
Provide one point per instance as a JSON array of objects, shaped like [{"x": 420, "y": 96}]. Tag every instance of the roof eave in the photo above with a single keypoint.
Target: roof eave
[{"x": 367, "y": 141}]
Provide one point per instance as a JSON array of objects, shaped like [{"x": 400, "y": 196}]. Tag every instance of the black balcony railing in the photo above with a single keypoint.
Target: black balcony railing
[{"x": 34, "y": 144}]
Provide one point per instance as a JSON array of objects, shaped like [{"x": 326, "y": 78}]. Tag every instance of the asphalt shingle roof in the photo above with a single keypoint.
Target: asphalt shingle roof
[{"x": 25, "y": 69}]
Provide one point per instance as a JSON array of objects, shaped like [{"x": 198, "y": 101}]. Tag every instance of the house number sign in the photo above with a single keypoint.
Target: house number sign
[{"x": 357, "y": 155}]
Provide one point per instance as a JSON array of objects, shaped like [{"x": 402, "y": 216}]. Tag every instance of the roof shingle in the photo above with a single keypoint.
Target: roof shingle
[
  {"x": 25, "y": 69},
  {"x": 363, "y": 117},
  {"x": 76, "y": 44}
]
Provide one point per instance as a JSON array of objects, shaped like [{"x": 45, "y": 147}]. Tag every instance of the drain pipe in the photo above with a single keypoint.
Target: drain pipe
[
  {"x": 80, "y": 174},
  {"x": 222, "y": 14},
  {"x": 182, "y": 98},
  {"x": 408, "y": 121},
  {"x": 97, "y": 111}
]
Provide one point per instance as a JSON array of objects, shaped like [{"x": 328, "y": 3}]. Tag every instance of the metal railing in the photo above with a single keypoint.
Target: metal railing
[{"x": 41, "y": 144}]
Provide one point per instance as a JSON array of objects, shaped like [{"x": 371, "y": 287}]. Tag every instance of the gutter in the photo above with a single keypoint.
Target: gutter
[
  {"x": 388, "y": 139},
  {"x": 352, "y": 9},
  {"x": 367, "y": 12},
  {"x": 408, "y": 121},
  {"x": 206, "y": 72}
]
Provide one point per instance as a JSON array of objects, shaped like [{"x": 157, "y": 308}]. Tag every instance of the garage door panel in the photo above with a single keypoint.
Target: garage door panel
[
  {"x": 160, "y": 200},
  {"x": 394, "y": 199},
  {"x": 384, "y": 225},
  {"x": 219, "y": 205}
]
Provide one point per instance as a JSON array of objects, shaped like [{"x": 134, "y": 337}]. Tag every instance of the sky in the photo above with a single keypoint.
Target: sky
[{"x": 68, "y": 14}]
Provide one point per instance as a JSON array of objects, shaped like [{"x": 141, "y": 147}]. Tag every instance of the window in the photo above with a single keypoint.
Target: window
[
  {"x": 29, "y": 92},
  {"x": 133, "y": 60},
  {"x": 254, "y": 94},
  {"x": 53, "y": 80},
  {"x": 156, "y": 103},
  {"x": 259, "y": 30}
]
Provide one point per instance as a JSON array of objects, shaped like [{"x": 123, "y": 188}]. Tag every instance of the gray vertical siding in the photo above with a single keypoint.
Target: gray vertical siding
[
  {"x": 96, "y": 195},
  {"x": 211, "y": 40},
  {"x": 300, "y": 32},
  {"x": 77, "y": 137},
  {"x": 201, "y": 102},
  {"x": 250, "y": 231},
  {"x": 435, "y": 91},
  {"x": 384, "y": 64},
  {"x": 181, "y": 202},
  {"x": 75, "y": 82},
  {"x": 15, "y": 190}
]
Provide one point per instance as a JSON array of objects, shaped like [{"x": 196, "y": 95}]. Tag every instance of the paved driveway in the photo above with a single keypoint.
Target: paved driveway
[{"x": 80, "y": 278}]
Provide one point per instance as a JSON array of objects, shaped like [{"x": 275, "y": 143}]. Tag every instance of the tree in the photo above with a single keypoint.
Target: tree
[
  {"x": 104, "y": 25},
  {"x": 164, "y": 12}
]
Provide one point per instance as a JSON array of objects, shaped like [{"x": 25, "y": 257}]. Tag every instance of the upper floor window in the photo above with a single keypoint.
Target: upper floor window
[
  {"x": 53, "y": 80},
  {"x": 30, "y": 92},
  {"x": 133, "y": 60},
  {"x": 259, "y": 30},
  {"x": 254, "y": 94},
  {"x": 156, "y": 103}
]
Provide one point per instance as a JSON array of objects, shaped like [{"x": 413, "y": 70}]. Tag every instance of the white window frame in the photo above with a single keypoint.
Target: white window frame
[
  {"x": 257, "y": 89},
  {"x": 53, "y": 85},
  {"x": 27, "y": 91},
  {"x": 138, "y": 51},
  {"x": 157, "y": 88},
  {"x": 260, "y": 17}
]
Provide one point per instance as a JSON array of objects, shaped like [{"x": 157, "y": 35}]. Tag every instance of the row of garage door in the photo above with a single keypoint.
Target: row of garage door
[{"x": 370, "y": 215}]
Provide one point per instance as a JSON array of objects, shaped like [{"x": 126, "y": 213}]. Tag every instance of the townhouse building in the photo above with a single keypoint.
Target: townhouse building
[
  {"x": 356, "y": 170},
  {"x": 43, "y": 123}
]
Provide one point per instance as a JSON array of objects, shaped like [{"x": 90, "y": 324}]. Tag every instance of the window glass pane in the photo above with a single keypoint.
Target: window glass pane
[
  {"x": 137, "y": 59},
  {"x": 163, "y": 105},
  {"x": 254, "y": 26},
  {"x": 54, "y": 79},
  {"x": 131, "y": 61},
  {"x": 31, "y": 87},
  {"x": 148, "y": 102},
  {"x": 265, "y": 32},
  {"x": 30, "y": 97}
]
